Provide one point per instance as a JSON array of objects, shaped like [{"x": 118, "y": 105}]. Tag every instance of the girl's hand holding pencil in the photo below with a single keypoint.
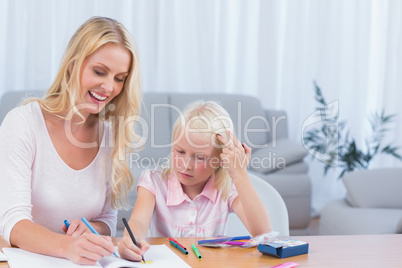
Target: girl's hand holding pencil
[{"x": 130, "y": 250}]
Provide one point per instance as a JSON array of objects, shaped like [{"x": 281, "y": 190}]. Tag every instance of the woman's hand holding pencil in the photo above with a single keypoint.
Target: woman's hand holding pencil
[
  {"x": 75, "y": 229},
  {"x": 88, "y": 248}
]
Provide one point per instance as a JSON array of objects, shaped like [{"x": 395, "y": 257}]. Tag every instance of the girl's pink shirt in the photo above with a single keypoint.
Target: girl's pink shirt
[{"x": 176, "y": 215}]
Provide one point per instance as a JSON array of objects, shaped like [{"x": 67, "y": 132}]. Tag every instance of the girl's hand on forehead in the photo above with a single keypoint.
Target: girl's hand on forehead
[{"x": 235, "y": 156}]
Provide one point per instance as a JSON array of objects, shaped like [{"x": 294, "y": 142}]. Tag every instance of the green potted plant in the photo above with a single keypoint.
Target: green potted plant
[{"x": 332, "y": 144}]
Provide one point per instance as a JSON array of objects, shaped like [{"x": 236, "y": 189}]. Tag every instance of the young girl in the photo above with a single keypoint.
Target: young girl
[
  {"x": 196, "y": 194},
  {"x": 62, "y": 157}
]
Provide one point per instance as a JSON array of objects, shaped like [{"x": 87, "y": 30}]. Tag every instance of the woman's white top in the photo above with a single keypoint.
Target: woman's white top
[{"x": 37, "y": 185}]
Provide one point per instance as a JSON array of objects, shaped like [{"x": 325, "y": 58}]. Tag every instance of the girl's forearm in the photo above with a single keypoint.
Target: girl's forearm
[
  {"x": 256, "y": 213},
  {"x": 138, "y": 228}
]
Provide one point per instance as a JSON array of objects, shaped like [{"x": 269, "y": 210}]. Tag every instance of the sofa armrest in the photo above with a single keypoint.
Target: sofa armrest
[
  {"x": 375, "y": 188},
  {"x": 276, "y": 155},
  {"x": 278, "y": 122},
  {"x": 339, "y": 218}
]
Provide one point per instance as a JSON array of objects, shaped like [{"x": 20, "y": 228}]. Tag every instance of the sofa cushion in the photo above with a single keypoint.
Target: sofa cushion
[
  {"x": 248, "y": 116},
  {"x": 279, "y": 124},
  {"x": 376, "y": 188},
  {"x": 297, "y": 168},
  {"x": 12, "y": 99},
  {"x": 154, "y": 126},
  {"x": 288, "y": 185},
  {"x": 277, "y": 155}
]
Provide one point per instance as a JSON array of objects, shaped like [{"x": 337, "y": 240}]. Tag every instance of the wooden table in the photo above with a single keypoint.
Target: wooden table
[{"x": 324, "y": 251}]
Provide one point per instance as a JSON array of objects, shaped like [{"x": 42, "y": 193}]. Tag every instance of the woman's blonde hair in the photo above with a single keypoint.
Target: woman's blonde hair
[
  {"x": 210, "y": 118},
  {"x": 65, "y": 91}
]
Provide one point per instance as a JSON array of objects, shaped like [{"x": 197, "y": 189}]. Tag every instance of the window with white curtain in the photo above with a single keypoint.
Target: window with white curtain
[{"x": 273, "y": 49}]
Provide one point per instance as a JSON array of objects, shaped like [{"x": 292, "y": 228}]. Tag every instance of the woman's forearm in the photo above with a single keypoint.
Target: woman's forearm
[
  {"x": 101, "y": 227},
  {"x": 35, "y": 238}
]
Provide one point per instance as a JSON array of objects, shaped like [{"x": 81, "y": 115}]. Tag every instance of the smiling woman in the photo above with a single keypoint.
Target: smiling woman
[
  {"x": 62, "y": 157},
  {"x": 103, "y": 76}
]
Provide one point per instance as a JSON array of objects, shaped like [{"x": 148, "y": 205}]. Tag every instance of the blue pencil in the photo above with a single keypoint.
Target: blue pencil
[
  {"x": 93, "y": 229},
  {"x": 67, "y": 223},
  {"x": 223, "y": 239}
]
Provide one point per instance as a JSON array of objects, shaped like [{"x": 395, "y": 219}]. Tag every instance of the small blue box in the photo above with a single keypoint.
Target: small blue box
[{"x": 284, "y": 248}]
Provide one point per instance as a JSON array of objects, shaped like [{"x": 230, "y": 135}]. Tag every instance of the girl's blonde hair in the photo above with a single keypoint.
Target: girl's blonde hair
[
  {"x": 210, "y": 118},
  {"x": 65, "y": 91}
]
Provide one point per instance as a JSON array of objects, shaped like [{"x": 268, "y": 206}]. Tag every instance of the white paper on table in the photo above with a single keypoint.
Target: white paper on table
[
  {"x": 3, "y": 257},
  {"x": 160, "y": 255},
  {"x": 19, "y": 258}
]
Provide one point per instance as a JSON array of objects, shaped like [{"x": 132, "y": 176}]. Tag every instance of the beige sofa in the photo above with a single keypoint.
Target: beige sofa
[
  {"x": 373, "y": 204},
  {"x": 275, "y": 158}
]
